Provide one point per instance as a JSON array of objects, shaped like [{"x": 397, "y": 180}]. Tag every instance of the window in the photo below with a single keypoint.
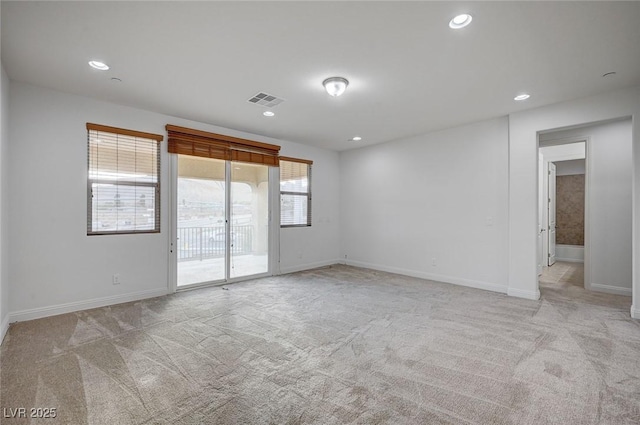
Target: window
[
  {"x": 295, "y": 192},
  {"x": 123, "y": 186}
]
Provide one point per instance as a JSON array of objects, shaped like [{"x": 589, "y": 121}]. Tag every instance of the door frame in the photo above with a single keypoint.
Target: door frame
[
  {"x": 273, "y": 221},
  {"x": 587, "y": 185},
  {"x": 555, "y": 212},
  {"x": 541, "y": 228},
  {"x": 172, "y": 272}
]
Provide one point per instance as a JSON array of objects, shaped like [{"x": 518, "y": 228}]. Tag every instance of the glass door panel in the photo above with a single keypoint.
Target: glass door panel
[
  {"x": 201, "y": 232},
  {"x": 249, "y": 230}
]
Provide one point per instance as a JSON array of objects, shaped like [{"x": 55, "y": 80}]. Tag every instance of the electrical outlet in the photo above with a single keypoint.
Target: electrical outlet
[{"x": 116, "y": 279}]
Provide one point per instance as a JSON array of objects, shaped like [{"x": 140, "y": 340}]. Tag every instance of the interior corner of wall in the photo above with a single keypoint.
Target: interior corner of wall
[
  {"x": 4, "y": 326},
  {"x": 522, "y": 293}
]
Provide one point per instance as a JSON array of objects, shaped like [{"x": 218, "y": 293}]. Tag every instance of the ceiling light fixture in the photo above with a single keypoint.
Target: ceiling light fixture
[
  {"x": 101, "y": 66},
  {"x": 268, "y": 113},
  {"x": 460, "y": 21},
  {"x": 523, "y": 96},
  {"x": 335, "y": 86},
  {"x": 356, "y": 138}
]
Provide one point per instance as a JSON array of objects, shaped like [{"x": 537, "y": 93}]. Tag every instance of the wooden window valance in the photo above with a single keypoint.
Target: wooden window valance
[
  {"x": 304, "y": 161},
  {"x": 123, "y": 131},
  {"x": 187, "y": 141}
]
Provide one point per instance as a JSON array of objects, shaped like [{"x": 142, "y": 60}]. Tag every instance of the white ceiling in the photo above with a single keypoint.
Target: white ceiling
[{"x": 409, "y": 73}]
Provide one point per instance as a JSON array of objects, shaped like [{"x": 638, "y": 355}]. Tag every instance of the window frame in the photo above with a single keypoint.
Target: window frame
[
  {"x": 306, "y": 194},
  {"x": 130, "y": 183}
]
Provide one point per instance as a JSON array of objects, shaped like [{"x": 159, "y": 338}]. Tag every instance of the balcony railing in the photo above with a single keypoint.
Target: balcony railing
[{"x": 199, "y": 243}]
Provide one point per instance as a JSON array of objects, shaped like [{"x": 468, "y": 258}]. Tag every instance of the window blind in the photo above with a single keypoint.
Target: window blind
[
  {"x": 187, "y": 141},
  {"x": 295, "y": 192},
  {"x": 123, "y": 185}
]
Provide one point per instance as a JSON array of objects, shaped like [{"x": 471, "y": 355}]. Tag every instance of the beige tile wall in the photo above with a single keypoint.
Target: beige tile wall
[{"x": 570, "y": 209}]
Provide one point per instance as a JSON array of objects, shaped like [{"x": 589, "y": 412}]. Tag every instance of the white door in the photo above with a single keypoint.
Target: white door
[
  {"x": 540, "y": 211},
  {"x": 552, "y": 213}
]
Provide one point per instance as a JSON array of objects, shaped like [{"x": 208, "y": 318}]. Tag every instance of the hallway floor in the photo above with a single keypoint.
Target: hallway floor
[{"x": 564, "y": 273}]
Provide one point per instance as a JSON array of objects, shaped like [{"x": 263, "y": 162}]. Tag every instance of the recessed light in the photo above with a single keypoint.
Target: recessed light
[
  {"x": 460, "y": 21},
  {"x": 268, "y": 113},
  {"x": 98, "y": 65},
  {"x": 116, "y": 80},
  {"x": 356, "y": 138},
  {"x": 523, "y": 96}
]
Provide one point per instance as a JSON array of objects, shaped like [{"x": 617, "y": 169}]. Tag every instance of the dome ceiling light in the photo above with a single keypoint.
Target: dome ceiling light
[
  {"x": 460, "y": 21},
  {"x": 99, "y": 65},
  {"x": 335, "y": 86}
]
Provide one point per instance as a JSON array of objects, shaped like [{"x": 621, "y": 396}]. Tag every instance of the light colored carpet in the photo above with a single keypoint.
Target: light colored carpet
[{"x": 336, "y": 345}]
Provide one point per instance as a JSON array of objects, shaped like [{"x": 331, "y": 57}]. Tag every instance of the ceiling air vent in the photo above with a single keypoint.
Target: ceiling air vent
[{"x": 264, "y": 99}]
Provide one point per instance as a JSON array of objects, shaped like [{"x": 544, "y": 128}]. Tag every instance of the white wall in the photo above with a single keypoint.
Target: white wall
[
  {"x": 307, "y": 247},
  {"x": 562, "y": 152},
  {"x": 55, "y": 266},
  {"x": 609, "y": 203},
  {"x": 4, "y": 204},
  {"x": 523, "y": 146},
  {"x": 439, "y": 196},
  {"x": 576, "y": 166}
]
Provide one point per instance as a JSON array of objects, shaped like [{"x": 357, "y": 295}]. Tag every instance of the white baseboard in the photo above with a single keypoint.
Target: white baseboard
[
  {"x": 4, "y": 327},
  {"x": 308, "y": 266},
  {"x": 40, "y": 312},
  {"x": 521, "y": 293},
  {"x": 610, "y": 289},
  {"x": 431, "y": 276},
  {"x": 635, "y": 313},
  {"x": 569, "y": 260},
  {"x": 570, "y": 253}
]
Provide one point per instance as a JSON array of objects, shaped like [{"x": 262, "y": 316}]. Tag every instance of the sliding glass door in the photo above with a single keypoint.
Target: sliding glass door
[
  {"x": 249, "y": 219},
  {"x": 222, "y": 220},
  {"x": 201, "y": 218}
]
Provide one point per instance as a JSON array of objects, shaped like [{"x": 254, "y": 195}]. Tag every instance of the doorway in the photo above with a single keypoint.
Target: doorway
[
  {"x": 221, "y": 222},
  {"x": 561, "y": 208},
  {"x": 608, "y": 219}
]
